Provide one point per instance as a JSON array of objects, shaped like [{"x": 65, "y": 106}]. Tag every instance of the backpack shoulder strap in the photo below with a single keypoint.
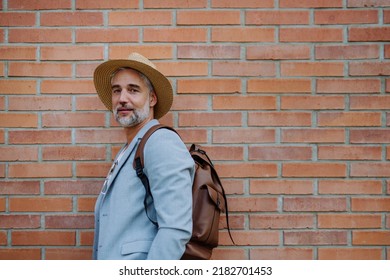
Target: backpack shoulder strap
[
  {"x": 138, "y": 164},
  {"x": 139, "y": 154}
]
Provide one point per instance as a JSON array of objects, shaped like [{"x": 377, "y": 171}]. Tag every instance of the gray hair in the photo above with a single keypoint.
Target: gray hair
[{"x": 141, "y": 75}]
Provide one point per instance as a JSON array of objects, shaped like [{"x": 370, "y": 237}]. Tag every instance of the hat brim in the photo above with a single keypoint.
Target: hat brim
[{"x": 162, "y": 86}]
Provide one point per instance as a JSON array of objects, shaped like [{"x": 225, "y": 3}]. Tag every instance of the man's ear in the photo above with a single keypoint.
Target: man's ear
[{"x": 153, "y": 99}]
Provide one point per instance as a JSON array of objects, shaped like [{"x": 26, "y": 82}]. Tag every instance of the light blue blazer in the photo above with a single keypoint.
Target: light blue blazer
[{"x": 122, "y": 228}]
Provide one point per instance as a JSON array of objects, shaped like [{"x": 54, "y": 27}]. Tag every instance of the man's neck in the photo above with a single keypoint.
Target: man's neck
[{"x": 131, "y": 132}]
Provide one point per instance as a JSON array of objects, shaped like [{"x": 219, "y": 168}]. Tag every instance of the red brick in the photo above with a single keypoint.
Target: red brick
[
  {"x": 18, "y": 120},
  {"x": 45, "y": 238},
  {"x": 208, "y": 52},
  {"x": 315, "y": 238},
  {"x": 347, "y": 52},
  {"x": 2, "y": 204},
  {"x": 281, "y": 187},
  {"x": 68, "y": 254},
  {"x": 86, "y": 204},
  {"x": 369, "y": 68},
  {"x": 143, "y": 18},
  {"x": 71, "y": 53},
  {"x": 92, "y": 169},
  {"x": 349, "y": 253},
  {"x": 67, "y": 87},
  {"x": 369, "y": 34},
  {"x": 249, "y": 238},
  {"x": 311, "y": 34},
  {"x": 371, "y": 238},
  {"x": 276, "y": 17},
  {"x": 350, "y": 187},
  {"x": 349, "y": 153},
  {"x": 175, "y": 4},
  {"x": 20, "y": 254},
  {"x": 209, "y": 86},
  {"x": 18, "y": 53},
  {"x": 244, "y": 102},
  {"x": 183, "y": 68},
  {"x": 224, "y": 152},
  {"x": 71, "y": 19},
  {"x": 17, "y": 87},
  {"x": 368, "y": 136},
  {"x": 17, "y": 19},
  {"x": 76, "y": 187},
  {"x": 242, "y": 4},
  {"x": 317, "y": 204},
  {"x": 20, "y": 221},
  {"x": 40, "y": 137},
  {"x": 86, "y": 238},
  {"x": 33, "y": 69},
  {"x": 150, "y": 51},
  {"x": 245, "y": 35},
  {"x": 179, "y": 35},
  {"x": 369, "y": 102},
  {"x": 40, "y": 170},
  {"x": 278, "y": 52},
  {"x": 85, "y": 70},
  {"x": 106, "y": 4},
  {"x": 73, "y": 153},
  {"x": 11, "y": 153},
  {"x": 351, "y": 221},
  {"x": 315, "y": 135},
  {"x": 73, "y": 120},
  {"x": 281, "y": 221},
  {"x": 368, "y": 3},
  {"x": 349, "y": 119},
  {"x": 310, "y": 3},
  {"x": 69, "y": 221},
  {"x": 19, "y": 187},
  {"x": 39, "y": 5},
  {"x": 114, "y": 35},
  {"x": 373, "y": 204},
  {"x": 39, "y": 103},
  {"x": 279, "y": 153},
  {"x": 40, "y": 204},
  {"x": 279, "y": 85},
  {"x": 222, "y": 253},
  {"x": 209, "y": 119},
  {"x": 89, "y": 103},
  {"x": 281, "y": 254},
  {"x": 314, "y": 169},
  {"x": 212, "y": 17},
  {"x": 345, "y": 16},
  {"x": 243, "y": 135},
  {"x": 312, "y": 69},
  {"x": 231, "y": 68},
  {"x": 312, "y": 102},
  {"x": 244, "y": 170},
  {"x": 189, "y": 102},
  {"x": 370, "y": 169},
  {"x": 348, "y": 86},
  {"x": 40, "y": 35},
  {"x": 100, "y": 136},
  {"x": 279, "y": 119}
]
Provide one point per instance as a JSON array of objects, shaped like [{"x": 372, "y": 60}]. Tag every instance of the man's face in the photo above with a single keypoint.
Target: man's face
[{"x": 132, "y": 101}]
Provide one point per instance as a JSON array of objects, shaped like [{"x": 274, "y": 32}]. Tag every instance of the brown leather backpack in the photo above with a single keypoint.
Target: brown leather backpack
[{"x": 208, "y": 196}]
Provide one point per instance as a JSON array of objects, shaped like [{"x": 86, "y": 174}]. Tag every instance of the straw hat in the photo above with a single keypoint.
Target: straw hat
[{"x": 162, "y": 86}]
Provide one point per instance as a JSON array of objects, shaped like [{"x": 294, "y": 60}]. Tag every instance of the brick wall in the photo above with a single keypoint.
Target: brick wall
[{"x": 290, "y": 97}]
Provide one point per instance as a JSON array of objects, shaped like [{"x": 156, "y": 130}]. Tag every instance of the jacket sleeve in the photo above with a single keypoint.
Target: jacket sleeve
[{"x": 170, "y": 170}]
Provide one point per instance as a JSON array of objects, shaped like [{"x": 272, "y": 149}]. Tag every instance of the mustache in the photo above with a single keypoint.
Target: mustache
[{"x": 122, "y": 108}]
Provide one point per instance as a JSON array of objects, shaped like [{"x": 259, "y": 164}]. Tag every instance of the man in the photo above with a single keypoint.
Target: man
[{"x": 138, "y": 94}]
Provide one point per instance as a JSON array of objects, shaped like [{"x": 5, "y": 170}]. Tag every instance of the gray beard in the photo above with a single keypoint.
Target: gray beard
[{"x": 137, "y": 117}]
